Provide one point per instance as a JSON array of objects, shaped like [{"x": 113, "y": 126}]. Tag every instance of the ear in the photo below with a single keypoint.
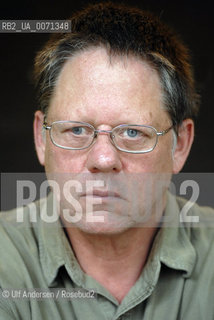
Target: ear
[
  {"x": 184, "y": 142},
  {"x": 39, "y": 137}
]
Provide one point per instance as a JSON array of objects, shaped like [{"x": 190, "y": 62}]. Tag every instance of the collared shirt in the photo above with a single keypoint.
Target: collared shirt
[{"x": 177, "y": 281}]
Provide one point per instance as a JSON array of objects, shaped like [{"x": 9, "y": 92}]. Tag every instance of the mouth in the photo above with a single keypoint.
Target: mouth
[{"x": 102, "y": 194}]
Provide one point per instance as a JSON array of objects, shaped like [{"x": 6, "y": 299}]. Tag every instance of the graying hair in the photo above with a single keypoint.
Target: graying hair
[{"x": 123, "y": 31}]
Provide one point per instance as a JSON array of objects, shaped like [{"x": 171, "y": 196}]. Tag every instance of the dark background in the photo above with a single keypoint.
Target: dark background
[{"x": 193, "y": 20}]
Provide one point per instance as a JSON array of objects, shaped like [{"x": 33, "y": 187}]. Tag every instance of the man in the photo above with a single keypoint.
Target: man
[{"x": 117, "y": 104}]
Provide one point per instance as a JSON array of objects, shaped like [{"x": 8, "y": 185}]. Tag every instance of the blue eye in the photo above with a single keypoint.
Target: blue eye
[
  {"x": 77, "y": 130},
  {"x": 132, "y": 133}
]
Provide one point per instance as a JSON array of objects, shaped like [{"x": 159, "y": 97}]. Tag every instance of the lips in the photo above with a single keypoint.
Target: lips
[{"x": 102, "y": 194}]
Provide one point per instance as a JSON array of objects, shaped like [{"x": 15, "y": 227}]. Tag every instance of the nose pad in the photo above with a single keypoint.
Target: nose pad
[{"x": 103, "y": 155}]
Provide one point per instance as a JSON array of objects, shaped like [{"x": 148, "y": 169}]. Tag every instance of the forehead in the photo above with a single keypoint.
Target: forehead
[{"x": 93, "y": 80}]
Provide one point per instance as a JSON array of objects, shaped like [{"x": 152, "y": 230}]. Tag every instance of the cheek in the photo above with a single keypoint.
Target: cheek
[
  {"x": 136, "y": 163},
  {"x": 164, "y": 158},
  {"x": 157, "y": 161},
  {"x": 62, "y": 161}
]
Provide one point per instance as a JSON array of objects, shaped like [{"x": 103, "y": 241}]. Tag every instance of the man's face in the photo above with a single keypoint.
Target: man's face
[{"x": 107, "y": 92}]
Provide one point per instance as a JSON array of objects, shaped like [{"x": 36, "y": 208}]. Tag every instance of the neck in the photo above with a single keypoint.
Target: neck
[{"x": 115, "y": 261}]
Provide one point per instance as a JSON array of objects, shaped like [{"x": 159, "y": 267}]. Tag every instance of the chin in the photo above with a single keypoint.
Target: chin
[
  {"x": 109, "y": 224},
  {"x": 102, "y": 229}
]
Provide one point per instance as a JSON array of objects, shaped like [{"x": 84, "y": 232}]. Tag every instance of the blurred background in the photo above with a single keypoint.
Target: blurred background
[{"x": 193, "y": 20}]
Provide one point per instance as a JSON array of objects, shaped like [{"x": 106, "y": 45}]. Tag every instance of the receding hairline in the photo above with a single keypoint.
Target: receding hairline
[{"x": 113, "y": 57}]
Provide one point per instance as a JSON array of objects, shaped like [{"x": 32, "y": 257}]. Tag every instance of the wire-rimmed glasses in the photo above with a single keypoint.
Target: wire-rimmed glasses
[{"x": 131, "y": 138}]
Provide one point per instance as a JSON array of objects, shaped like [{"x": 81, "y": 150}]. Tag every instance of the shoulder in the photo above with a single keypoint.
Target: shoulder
[
  {"x": 197, "y": 220},
  {"x": 198, "y": 234},
  {"x": 204, "y": 212},
  {"x": 19, "y": 245},
  {"x": 199, "y": 228},
  {"x": 19, "y": 224}
]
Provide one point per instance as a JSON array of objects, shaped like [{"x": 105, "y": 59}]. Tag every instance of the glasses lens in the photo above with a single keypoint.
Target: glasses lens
[
  {"x": 71, "y": 135},
  {"x": 135, "y": 138}
]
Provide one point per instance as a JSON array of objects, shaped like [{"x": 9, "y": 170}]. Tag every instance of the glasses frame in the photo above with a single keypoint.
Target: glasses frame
[{"x": 110, "y": 132}]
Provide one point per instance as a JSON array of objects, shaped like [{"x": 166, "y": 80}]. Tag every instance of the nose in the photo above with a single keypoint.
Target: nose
[{"x": 103, "y": 156}]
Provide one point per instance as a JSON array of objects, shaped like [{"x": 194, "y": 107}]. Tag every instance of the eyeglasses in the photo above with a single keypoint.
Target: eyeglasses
[{"x": 131, "y": 138}]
